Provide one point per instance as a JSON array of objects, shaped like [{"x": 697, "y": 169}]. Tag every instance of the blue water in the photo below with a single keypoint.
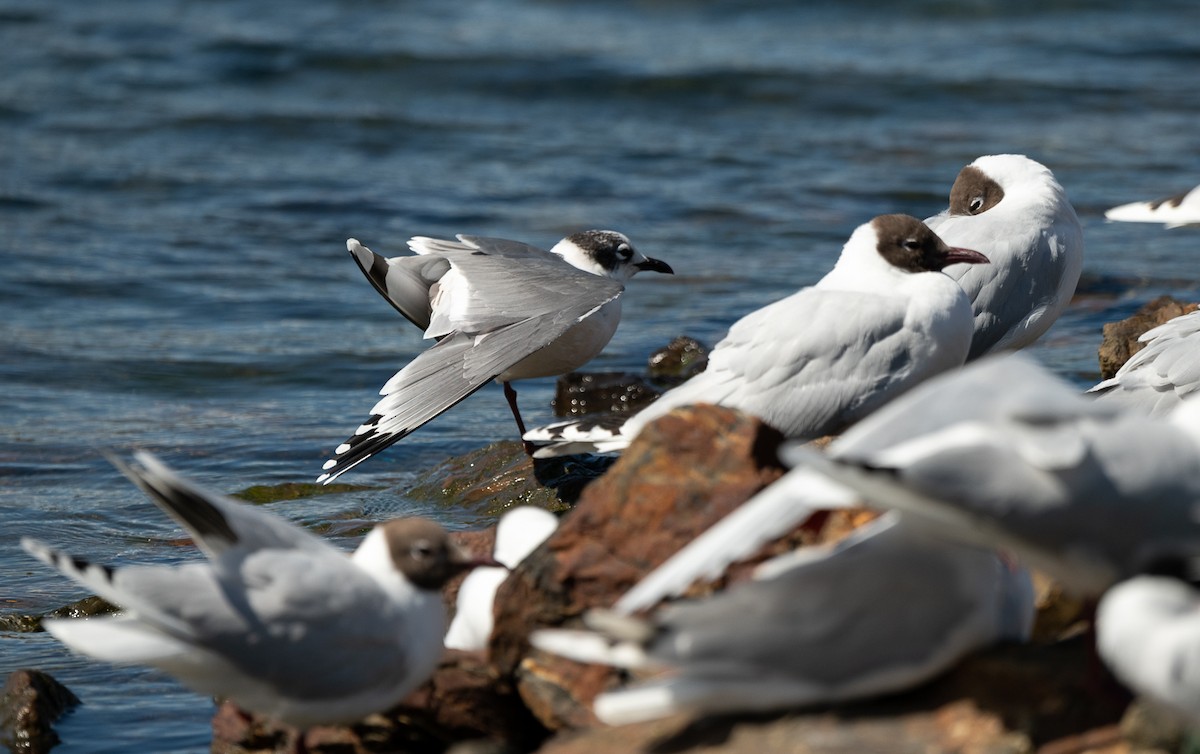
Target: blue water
[{"x": 177, "y": 181}]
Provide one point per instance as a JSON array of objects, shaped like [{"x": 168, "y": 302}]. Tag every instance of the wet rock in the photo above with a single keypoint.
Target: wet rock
[
  {"x": 1121, "y": 338},
  {"x": 270, "y": 493},
  {"x": 679, "y": 360},
  {"x": 683, "y": 473},
  {"x": 492, "y": 479},
  {"x": 83, "y": 608},
  {"x": 30, "y": 703},
  {"x": 583, "y": 393}
]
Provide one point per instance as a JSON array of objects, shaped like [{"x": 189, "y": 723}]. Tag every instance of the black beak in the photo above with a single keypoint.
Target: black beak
[{"x": 655, "y": 265}]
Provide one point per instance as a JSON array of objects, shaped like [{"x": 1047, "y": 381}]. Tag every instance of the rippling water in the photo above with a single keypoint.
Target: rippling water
[{"x": 177, "y": 181}]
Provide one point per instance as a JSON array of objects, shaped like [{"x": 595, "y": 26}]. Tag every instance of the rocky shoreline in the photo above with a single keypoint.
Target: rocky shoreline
[{"x": 685, "y": 472}]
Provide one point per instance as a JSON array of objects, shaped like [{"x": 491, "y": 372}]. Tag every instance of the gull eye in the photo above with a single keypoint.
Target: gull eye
[
  {"x": 624, "y": 251},
  {"x": 975, "y": 205},
  {"x": 422, "y": 550},
  {"x": 911, "y": 244}
]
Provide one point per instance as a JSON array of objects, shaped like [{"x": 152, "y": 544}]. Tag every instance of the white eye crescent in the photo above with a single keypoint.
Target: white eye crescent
[
  {"x": 624, "y": 252},
  {"x": 976, "y": 204}
]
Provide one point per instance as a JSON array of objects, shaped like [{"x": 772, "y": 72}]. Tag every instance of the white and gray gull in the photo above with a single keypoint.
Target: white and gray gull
[
  {"x": 1006, "y": 455},
  {"x": 1164, "y": 373},
  {"x": 498, "y": 309},
  {"x": 883, "y": 320},
  {"x": 1011, "y": 209},
  {"x": 1174, "y": 211},
  {"x": 887, "y": 608},
  {"x": 275, "y": 619}
]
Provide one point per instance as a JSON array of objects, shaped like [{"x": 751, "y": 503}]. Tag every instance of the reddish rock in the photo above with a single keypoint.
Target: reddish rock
[
  {"x": 682, "y": 474},
  {"x": 30, "y": 702},
  {"x": 464, "y": 701},
  {"x": 1121, "y": 338},
  {"x": 1010, "y": 700}
]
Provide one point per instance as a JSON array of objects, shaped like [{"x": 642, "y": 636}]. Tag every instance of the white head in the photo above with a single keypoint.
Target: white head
[
  {"x": 607, "y": 253},
  {"x": 520, "y": 531},
  {"x": 987, "y": 181}
]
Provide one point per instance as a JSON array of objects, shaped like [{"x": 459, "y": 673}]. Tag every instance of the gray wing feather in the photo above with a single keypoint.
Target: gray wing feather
[
  {"x": 1086, "y": 492},
  {"x": 1029, "y": 282},
  {"x": 817, "y": 375},
  {"x": 883, "y": 602},
  {"x": 218, "y": 524},
  {"x": 405, "y": 282}
]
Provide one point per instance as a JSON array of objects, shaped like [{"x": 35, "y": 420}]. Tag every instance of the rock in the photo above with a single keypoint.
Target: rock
[
  {"x": 270, "y": 493},
  {"x": 463, "y": 701},
  {"x": 30, "y": 703},
  {"x": 490, "y": 480},
  {"x": 1150, "y": 727},
  {"x": 1121, "y": 338},
  {"x": 683, "y": 472},
  {"x": 1009, "y": 700},
  {"x": 582, "y": 393},
  {"x": 679, "y": 360}
]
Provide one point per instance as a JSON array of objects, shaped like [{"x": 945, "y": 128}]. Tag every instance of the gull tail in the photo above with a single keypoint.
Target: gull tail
[
  {"x": 117, "y": 639},
  {"x": 597, "y": 435},
  {"x": 609, "y": 639},
  {"x": 403, "y": 281}
]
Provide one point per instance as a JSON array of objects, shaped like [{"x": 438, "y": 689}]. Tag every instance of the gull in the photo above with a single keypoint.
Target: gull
[
  {"x": 1000, "y": 453},
  {"x": 1163, "y": 373},
  {"x": 498, "y": 309},
  {"x": 883, "y": 320},
  {"x": 884, "y": 610},
  {"x": 1174, "y": 211},
  {"x": 1004, "y": 454},
  {"x": 519, "y": 533},
  {"x": 275, "y": 619},
  {"x": 1148, "y": 633},
  {"x": 1012, "y": 210}
]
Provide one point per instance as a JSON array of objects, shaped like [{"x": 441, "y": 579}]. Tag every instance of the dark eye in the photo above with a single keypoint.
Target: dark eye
[
  {"x": 975, "y": 205},
  {"x": 911, "y": 244},
  {"x": 421, "y": 550},
  {"x": 624, "y": 252}
]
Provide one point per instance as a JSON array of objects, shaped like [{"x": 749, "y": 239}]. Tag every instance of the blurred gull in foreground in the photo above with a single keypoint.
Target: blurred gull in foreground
[
  {"x": 519, "y": 533},
  {"x": 1001, "y": 454},
  {"x": 1148, "y": 633},
  {"x": 498, "y": 309},
  {"x": 883, "y": 610},
  {"x": 1004, "y": 454},
  {"x": 275, "y": 619}
]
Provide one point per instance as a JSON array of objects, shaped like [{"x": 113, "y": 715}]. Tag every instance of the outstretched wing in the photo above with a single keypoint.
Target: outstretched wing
[{"x": 491, "y": 311}]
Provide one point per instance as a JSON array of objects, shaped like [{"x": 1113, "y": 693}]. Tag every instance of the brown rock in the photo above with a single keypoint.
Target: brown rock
[
  {"x": 683, "y": 473},
  {"x": 463, "y": 701},
  {"x": 30, "y": 703},
  {"x": 1121, "y": 338},
  {"x": 1010, "y": 700}
]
